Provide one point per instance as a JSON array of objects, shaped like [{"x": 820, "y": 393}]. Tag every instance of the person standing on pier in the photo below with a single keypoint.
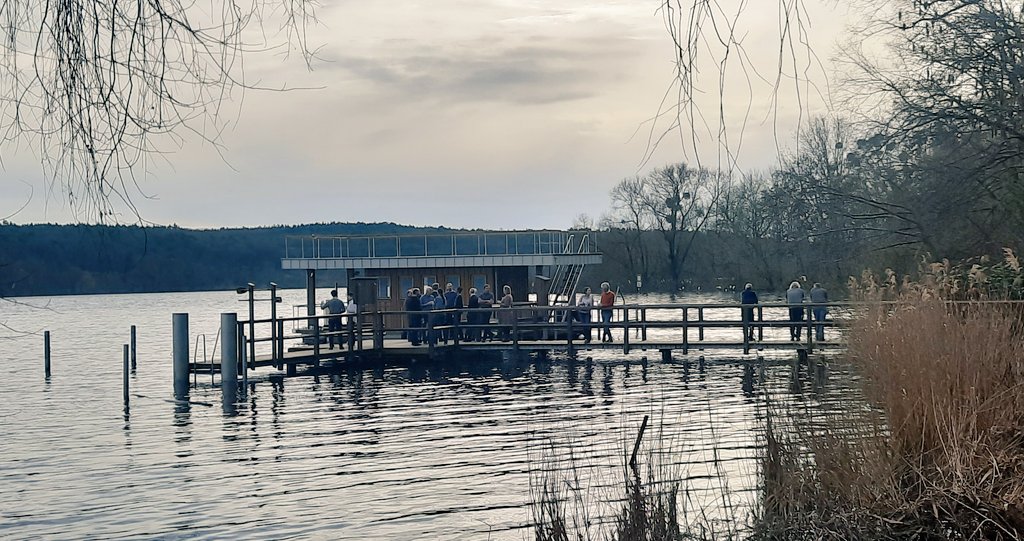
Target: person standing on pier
[
  {"x": 439, "y": 318},
  {"x": 748, "y": 296},
  {"x": 607, "y": 302},
  {"x": 486, "y": 301},
  {"x": 449, "y": 303},
  {"x": 586, "y": 305},
  {"x": 795, "y": 297},
  {"x": 819, "y": 296},
  {"x": 507, "y": 316},
  {"x": 472, "y": 317},
  {"x": 426, "y": 305},
  {"x": 333, "y": 306},
  {"x": 412, "y": 306}
]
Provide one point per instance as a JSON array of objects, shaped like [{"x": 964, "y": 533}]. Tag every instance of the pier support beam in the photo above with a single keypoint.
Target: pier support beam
[
  {"x": 229, "y": 359},
  {"x": 179, "y": 349},
  {"x": 666, "y": 355}
]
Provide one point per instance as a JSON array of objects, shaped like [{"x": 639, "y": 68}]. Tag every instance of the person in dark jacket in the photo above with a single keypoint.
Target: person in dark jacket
[
  {"x": 457, "y": 317},
  {"x": 440, "y": 318},
  {"x": 426, "y": 306},
  {"x": 412, "y": 305},
  {"x": 748, "y": 296},
  {"x": 473, "y": 318},
  {"x": 449, "y": 303}
]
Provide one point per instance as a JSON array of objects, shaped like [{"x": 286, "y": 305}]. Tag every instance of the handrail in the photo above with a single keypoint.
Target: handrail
[{"x": 539, "y": 242}]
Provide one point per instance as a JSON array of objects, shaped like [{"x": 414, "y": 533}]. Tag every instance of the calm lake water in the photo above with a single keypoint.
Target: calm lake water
[{"x": 425, "y": 451}]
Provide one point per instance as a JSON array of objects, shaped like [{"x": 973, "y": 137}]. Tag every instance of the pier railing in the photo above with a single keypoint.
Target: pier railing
[
  {"x": 435, "y": 244},
  {"x": 664, "y": 327}
]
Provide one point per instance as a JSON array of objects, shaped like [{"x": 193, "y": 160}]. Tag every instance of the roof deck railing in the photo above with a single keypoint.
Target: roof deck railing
[{"x": 440, "y": 245}]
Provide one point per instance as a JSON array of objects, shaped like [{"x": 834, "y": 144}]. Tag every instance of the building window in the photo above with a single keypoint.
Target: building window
[
  {"x": 455, "y": 280},
  {"x": 429, "y": 279},
  {"x": 405, "y": 283},
  {"x": 478, "y": 282},
  {"x": 383, "y": 287}
]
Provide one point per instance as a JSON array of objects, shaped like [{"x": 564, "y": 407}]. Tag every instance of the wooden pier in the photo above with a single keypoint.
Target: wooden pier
[{"x": 665, "y": 328}]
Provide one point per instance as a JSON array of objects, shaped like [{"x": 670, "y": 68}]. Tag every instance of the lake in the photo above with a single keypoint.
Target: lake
[{"x": 427, "y": 450}]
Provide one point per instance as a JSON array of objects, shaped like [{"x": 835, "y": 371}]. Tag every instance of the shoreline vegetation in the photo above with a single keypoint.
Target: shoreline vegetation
[{"x": 935, "y": 450}]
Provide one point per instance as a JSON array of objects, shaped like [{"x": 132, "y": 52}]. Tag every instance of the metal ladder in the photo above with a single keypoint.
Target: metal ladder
[{"x": 567, "y": 277}]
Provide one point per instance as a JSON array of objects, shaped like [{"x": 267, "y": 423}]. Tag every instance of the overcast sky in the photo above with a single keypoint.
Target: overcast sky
[{"x": 464, "y": 113}]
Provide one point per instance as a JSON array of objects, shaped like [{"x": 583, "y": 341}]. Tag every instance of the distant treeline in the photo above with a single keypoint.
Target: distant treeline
[{"x": 46, "y": 259}]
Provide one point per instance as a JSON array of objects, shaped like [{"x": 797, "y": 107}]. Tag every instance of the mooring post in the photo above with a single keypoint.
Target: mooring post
[
  {"x": 124, "y": 376},
  {"x": 229, "y": 358},
  {"x": 46, "y": 353},
  {"x": 515, "y": 329},
  {"x": 316, "y": 342},
  {"x": 636, "y": 444},
  {"x": 810, "y": 330},
  {"x": 643, "y": 327},
  {"x": 279, "y": 344},
  {"x": 700, "y": 363},
  {"x": 350, "y": 329},
  {"x": 700, "y": 320},
  {"x": 133, "y": 348},
  {"x": 666, "y": 355},
  {"x": 179, "y": 353}
]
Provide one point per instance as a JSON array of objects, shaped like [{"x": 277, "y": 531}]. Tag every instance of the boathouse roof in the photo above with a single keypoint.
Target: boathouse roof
[{"x": 441, "y": 250}]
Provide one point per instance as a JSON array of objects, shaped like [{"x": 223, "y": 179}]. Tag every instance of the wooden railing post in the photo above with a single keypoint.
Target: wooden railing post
[
  {"x": 625, "y": 330},
  {"x": 760, "y": 328},
  {"x": 686, "y": 330},
  {"x": 515, "y": 328},
  {"x": 569, "y": 332},
  {"x": 643, "y": 325},
  {"x": 378, "y": 330},
  {"x": 810, "y": 329},
  {"x": 316, "y": 341},
  {"x": 746, "y": 329}
]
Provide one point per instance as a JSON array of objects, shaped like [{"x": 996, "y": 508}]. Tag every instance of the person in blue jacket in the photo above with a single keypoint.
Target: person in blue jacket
[
  {"x": 748, "y": 296},
  {"x": 412, "y": 305}
]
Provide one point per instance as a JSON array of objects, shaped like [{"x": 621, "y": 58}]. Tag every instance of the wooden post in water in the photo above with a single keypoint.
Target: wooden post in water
[
  {"x": 700, "y": 319},
  {"x": 179, "y": 349},
  {"x": 252, "y": 320},
  {"x": 229, "y": 356},
  {"x": 643, "y": 327},
  {"x": 666, "y": 355},
  {"x": 636, "y": 444},
  {"x": 124, "y": 375},
  {"x": 46, "y": 353},
  {"x": 760, "y": 328},
  {"x": 316, "y": 341},
  {"x": 378, "y": 331},
  {"x": 133, "y": 348}
]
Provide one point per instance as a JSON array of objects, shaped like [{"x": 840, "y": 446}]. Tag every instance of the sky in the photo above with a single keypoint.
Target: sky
[{"x": 494, "y": 114}]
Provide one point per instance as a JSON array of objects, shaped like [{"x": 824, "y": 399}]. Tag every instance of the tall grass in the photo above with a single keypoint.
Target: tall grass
[{"x": 937, "y": 452}]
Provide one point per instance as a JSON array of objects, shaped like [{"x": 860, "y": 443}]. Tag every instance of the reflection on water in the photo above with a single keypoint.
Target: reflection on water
[{"x": 427, "y": 450}]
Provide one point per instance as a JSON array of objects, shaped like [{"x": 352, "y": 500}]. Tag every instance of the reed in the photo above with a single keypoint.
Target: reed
[{"x": 936, "y": 451}]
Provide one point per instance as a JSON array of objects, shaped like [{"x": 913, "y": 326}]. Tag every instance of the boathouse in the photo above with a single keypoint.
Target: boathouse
[{"x": 542, "y": 267}]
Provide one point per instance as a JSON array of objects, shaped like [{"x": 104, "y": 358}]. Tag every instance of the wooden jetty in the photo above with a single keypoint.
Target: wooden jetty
[{"x": 541, "y": 330}]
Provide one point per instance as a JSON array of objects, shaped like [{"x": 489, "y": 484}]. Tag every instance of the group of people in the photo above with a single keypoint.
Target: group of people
[
  {"x": 795, "y": 298},
  {"x": 427, "y": 324},
  {"x": 432, "y": 299},
  {"x": 337, "y": 309},
  {"x": 585, "y": 305}
]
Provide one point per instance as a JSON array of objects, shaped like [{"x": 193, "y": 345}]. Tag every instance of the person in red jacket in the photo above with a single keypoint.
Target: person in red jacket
[{"x": 607, "y": 301}]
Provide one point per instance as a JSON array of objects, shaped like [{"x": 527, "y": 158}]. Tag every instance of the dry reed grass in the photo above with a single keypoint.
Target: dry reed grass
[{"x": 937, "y": 452}]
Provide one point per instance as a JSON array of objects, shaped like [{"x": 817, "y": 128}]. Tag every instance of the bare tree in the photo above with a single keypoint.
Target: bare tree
[
  {"x": 679, "y": 200},
  {"x": 97, "y": 85}
]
